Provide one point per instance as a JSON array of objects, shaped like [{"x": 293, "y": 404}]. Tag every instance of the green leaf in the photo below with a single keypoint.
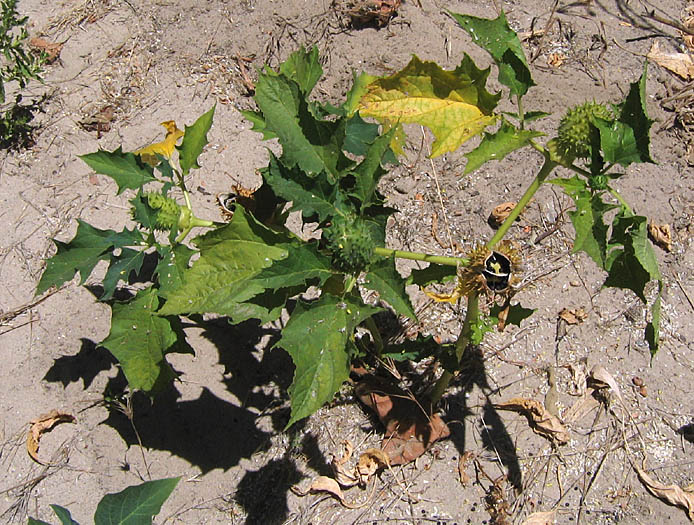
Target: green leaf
[
  {"x": 171, "y": 267},
  {"x": 31, "y": 521},
  {"x": 633, "y": 265},
  {"x": 501, "y": 42},
  {"x": 516, "y": 313},
  {"x": 265, "y": 307},
  {"x": 312, "y": 145},
  {"x": 359, "y": 134},
  {"x": 194, "y": 140},
  {"x": 304, "y": 68},
  {"x": 120, "y": 268},
  {"x": 360, "y": 84},
  {"x": 303, "y": 263},
  {"x": 135, "y": 505},
  {"x": 634, "y": 115},
  {"x": 653, "y": 327},
  {"x": 139, "y": 338},
  {"x": 497, "y": 145},
  {"x": 259, "y": 124},
  {"x": 314, "y": 195},
  {"x": 143, "y": 214},
  {"x": 434, "y": 273},
  {"x": 617, "y": 142},
  {"x": 63, "y": 515},
  {"x": 125, "y": 169},
  {"x": 452, "y": 104},
  {"x": 82, "y": 253},
  {"x": 481, "y": 326},
  {"x": 383, "y": 278},
  {"x": 229, "y": 258},
  {"x": 591, "y": 230},
  {"x": 413, "y": 350},
  {"x": 316, "y": 337},
  {"x": 369, "y": 171}
]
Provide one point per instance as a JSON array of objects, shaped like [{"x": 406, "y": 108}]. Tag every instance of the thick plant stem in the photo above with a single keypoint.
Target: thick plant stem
[
  {"x": 378, "y": 341},
  {"x": 471, "y": 316},
  {"x": 546, "y": 169},
  {"x": 416, "y": 256}
]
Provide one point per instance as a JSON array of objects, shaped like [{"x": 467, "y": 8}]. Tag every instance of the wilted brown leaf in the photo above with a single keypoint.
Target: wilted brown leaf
[
  {"x": 540, "y": 518},
  {"x": 40, "y": 426},
  {"x": 688, "y": 22},
  {"x": 325, "y": 484},
  {"x": 344, "y": 475},
  {"x": 501, "y": 213},
  {"x": 600, "y": 376},
  {"x": 409, "y": 431},
  {"x": 672, "y": 494},
  {"x": 541, "y": 421},
  {"x": 463, "y": 463},
  {"x": 572, "y": 317},
  {"x": 364, "y": 12},
  {"x": 681, "y": 64},
  {"x": 661, "y": 235},
  {"x": 51, "y": 49},
  {"x": 370, "y": 462}
]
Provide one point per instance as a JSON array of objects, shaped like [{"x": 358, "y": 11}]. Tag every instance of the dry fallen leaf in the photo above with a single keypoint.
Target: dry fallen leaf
[
  {"x": 540, "y": 518},
  {"x": 575, "y": 316},
  {"x": 681, "y": 64},
  {"x": 541, "y": 421},
  {"x": 688, "y": 22},
  {"x": 501, "y": 213},
  {"x": 40, "y": 426},
  {"x": 51, "y": 49},
  {"x": 409, "y": 431},
  {"x": 370, "y": 462},
  {"x": 661, "y": 235},
  {"x": 602, "y": 377},
  {"x": 672, "y": 494},
  {"x": 463, "y": 463},
  {"x": 324, "y": 484},
  {"x": 344, "y": 475}
]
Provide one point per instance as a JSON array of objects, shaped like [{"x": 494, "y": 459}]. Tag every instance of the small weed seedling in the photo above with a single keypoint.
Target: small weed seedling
[{"x": 329, "y": 171}]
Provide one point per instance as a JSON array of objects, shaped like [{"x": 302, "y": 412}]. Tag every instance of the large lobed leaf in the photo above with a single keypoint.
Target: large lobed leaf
[
  {"x": 89, "y": 246},
  {"x": 194, "y": 140},
  {"x": 139, "y": 338},
  {"x": 497, "y": 145},
  {"x": 383, "y": 278},
  {"x": 229, "y": 258},
  {"x": 126, "y": 169},
  {"x": 453, "y": 104},
  {"x": 135, "y": 505},
  {"x": 316, "y": 338},
  {"x": 501, "y": 42}
]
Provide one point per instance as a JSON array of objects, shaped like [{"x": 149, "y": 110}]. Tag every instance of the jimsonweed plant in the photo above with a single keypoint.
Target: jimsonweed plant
[{"x": 332, "y": 159}]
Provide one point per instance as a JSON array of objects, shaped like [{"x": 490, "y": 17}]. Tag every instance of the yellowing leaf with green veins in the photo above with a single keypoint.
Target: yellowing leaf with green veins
[
  {"x": 453, "y": 104},
  {"x": 165, "y": 148}
]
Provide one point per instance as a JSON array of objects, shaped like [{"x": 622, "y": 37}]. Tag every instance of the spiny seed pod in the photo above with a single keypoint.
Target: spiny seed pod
[
  {"x": 489, "y": 271},
  {"x": 575, "y": 128},
  {"x": 350, "y": 243},
  {"x": 168, "y": 212}
]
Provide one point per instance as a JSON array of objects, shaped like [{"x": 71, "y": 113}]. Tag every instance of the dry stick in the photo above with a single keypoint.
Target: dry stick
[
  {"x": 669, "y": 22},
  {"x": 679, "y": 283},
  {"x": 438, "y": 191},
  {"x": 549, "y": 23}
]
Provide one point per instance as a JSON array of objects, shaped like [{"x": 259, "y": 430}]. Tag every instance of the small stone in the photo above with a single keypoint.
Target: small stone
[
  {"x": 637, "y": 381},
  {"x": 574, "y": 283},
  {"x": 643, "y": 391}
]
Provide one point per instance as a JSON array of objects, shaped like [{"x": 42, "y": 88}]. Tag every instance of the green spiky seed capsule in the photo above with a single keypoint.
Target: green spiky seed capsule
[
  {"x": 168, "y": 212},
  {"x": 350, "y": 242},
  {"x": 575, "y": 128}
]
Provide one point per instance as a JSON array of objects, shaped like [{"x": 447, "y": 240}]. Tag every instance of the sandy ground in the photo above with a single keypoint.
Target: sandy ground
[{"x": 222, "y": 430}]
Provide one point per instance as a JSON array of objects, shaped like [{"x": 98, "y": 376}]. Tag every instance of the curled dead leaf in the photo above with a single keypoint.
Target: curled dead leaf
[
  {"x": 51, "y": 50},
  {"x": 573, "y": 317},
  {"x": 410, "y": 432},
  {"x": 688, "y": 22},
  {"x": 681, "y": 64},
  {"x": 370, "y": 462},
  {"x": 541, "y": 518},
  {"x": 345, "y": 475},
  {"x": 41, "y": 425},
  {"x": 661, "y": 235},
  {"x": 601, "y": 378},
  {"x": 672, "y": 494},
  {"x": 501, "y": 213},
  {"x": 325, "y": 484},
  {"x": 465, "y": 459},
  {"x": 541, "y": 420}
]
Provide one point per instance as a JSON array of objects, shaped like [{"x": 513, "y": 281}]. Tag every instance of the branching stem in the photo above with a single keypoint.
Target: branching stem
[{"x": 417, "y": 256}]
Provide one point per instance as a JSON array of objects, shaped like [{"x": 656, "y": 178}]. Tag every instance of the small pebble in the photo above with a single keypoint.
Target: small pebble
[
  {"x": 637, "y": 381},
  {"x": 575, "y": 283},
  {"x": 643, "y": 391}
]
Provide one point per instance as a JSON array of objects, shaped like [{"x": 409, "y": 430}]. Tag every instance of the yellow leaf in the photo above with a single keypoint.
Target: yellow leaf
[
  {"x": 165, "y": 148},
  {"x": 453, "y": 104}
]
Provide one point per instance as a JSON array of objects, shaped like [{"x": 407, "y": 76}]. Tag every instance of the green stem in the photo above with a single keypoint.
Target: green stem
[
  {"x": 378, "y": 340},
  {"x": 546, "y": 169},
  {"x": 472, "y": 315},
  {"x": 417, "y": 256},
  {"x": 621, "y": 200}
]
